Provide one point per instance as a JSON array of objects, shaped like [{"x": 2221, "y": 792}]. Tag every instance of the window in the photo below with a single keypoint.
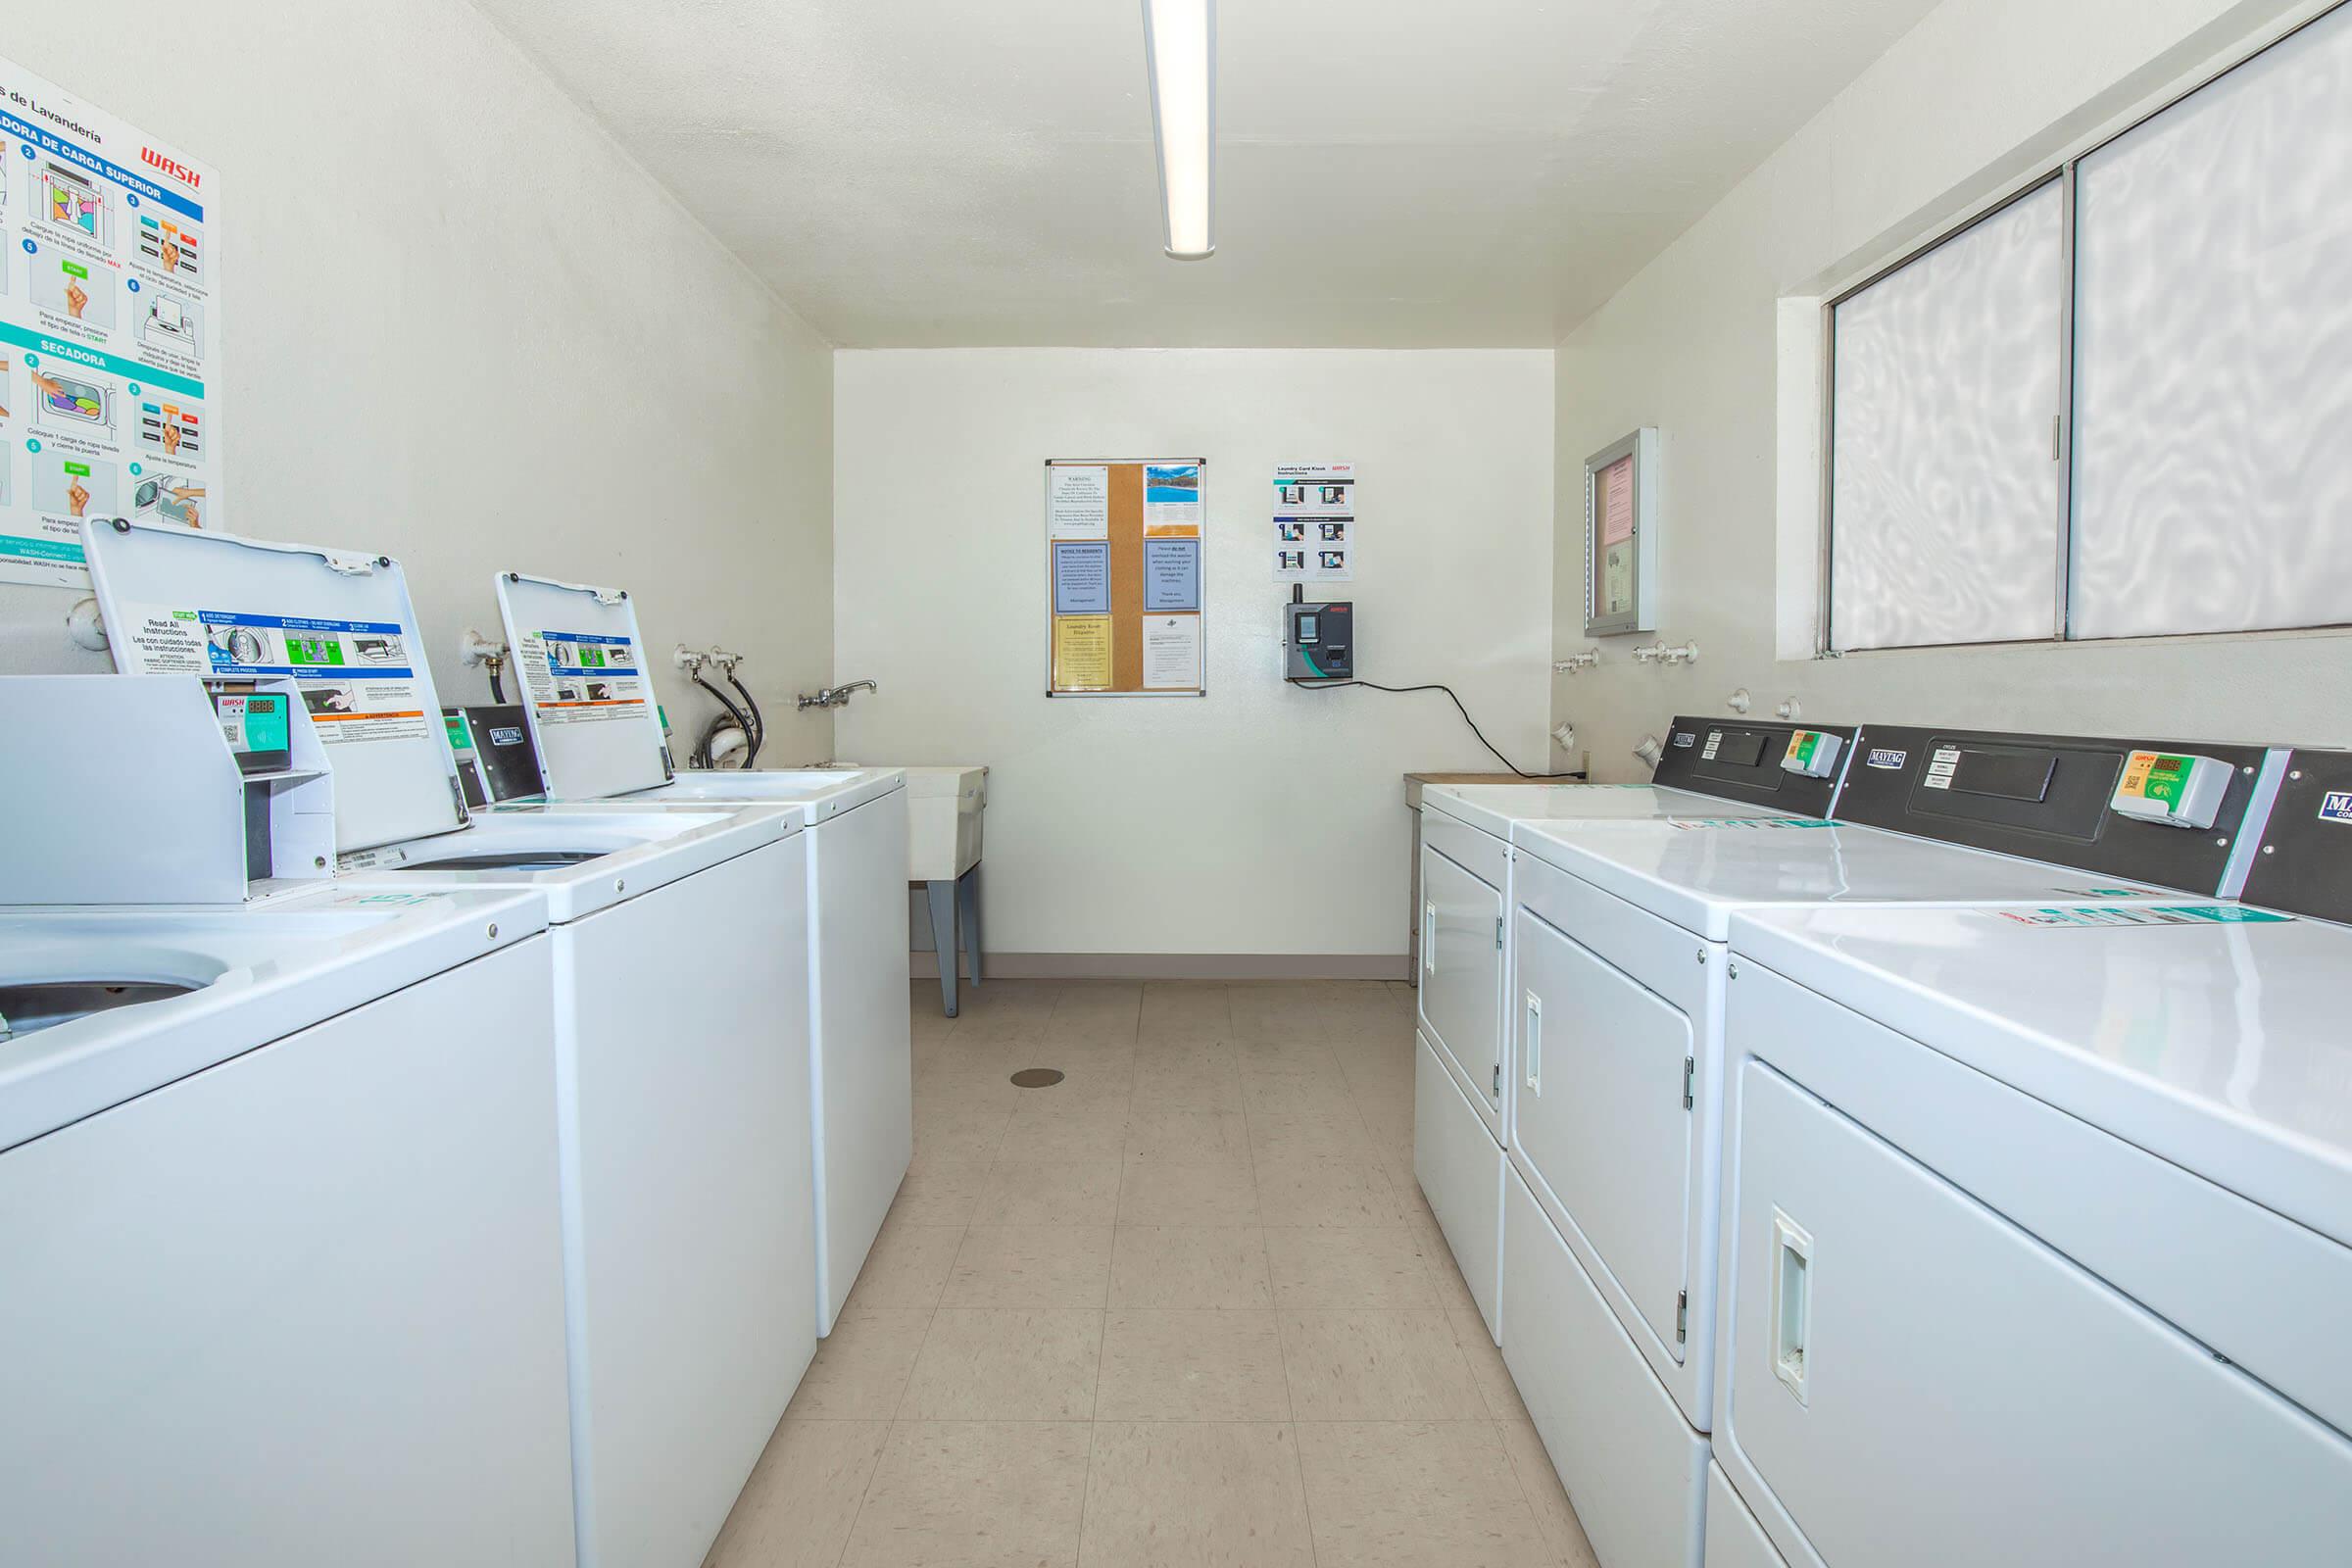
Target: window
[
  {"x": 2201, "y": 338},
  {"x": 1944, "y": 484}
]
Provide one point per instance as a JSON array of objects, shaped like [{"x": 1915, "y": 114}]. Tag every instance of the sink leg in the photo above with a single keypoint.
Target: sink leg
[
  {"x": 968, "y": 892},
  {"x": 943, "y": 939}
]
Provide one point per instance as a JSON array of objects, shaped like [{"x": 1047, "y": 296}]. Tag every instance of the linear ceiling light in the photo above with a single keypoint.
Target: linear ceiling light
[{"x": 1179, "y": 52}]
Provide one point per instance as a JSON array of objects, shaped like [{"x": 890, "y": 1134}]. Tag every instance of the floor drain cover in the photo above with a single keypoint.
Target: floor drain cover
[{"x": 1037, "y": 1077}]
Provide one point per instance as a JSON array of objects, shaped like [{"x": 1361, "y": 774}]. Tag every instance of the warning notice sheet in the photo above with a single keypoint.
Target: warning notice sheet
[{"x": 110, "y": 329}]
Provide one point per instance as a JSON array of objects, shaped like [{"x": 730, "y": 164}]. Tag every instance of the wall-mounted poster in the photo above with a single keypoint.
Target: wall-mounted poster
[
  {"x": 1314, "y": 521},
  {"x": 1123, "y": 542},
  {"x": 110, "y": 329},
  {"x": 1621, "y": 535}
]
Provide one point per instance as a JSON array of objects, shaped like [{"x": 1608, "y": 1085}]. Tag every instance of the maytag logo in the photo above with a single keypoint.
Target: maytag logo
[
  {"x": 1884, "y": 757},
  {"x": 171, "y": 166},
  {"x": 506, "y": 735},
  {"x": 2336, "y": 807},
  {"x": 1684, "y": 738}
]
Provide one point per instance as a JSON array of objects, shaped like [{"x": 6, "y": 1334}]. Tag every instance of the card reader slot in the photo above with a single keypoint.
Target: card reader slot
[
  {"x": 1741, "y": 747},
  {"x": 2005, "y": 775}
]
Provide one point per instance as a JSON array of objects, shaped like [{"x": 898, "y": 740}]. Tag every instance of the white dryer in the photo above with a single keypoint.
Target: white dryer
[
  {"x": 601, "y": 755},
  {"x": 2037, "y": 1224},
  {"x": 679, "y": 1001},
  {"x": 277, "y": 1181},
  {"x": 1461, "y": 1043},
  {"x": 1611, "y": 1205}
]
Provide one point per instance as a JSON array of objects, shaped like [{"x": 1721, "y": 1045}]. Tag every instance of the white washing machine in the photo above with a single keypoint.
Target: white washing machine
[
  {"x": 609, "y": 754},
  {"x": 2037, "y": 1230},
  {"x": 1461, "y": 1046},
  {"x": 679, "y": 991},
  {"x": 1611, "y": 1205},
  {"x": 278, "y": 1182}
]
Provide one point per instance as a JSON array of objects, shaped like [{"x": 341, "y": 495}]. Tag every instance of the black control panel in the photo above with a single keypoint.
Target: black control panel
[
  {"x": 2052, "y": 798},
  {"x": 1739, "y": 760},
  {"x": 2305, "y": 864},
  {"x": 495, "y": 761}
]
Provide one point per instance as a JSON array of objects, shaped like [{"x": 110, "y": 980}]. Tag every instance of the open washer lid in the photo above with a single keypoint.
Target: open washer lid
[
  {"x": 587, "y": 693},
  {"x": 180, "y": 601}
]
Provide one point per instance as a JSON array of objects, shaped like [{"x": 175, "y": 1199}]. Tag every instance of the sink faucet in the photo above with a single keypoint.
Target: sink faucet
[{"x": 837, "y": 696}]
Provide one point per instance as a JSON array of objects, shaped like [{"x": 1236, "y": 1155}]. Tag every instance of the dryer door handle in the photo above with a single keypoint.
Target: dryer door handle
[
  {"x": 1791, "y": 1303},
  {"x": 1534, "y": 1037},
  {"x": 1429, "y": 937}
]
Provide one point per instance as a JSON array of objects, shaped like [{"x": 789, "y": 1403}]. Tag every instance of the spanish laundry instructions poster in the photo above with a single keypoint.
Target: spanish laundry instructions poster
[{"x": 110, "y": 329}]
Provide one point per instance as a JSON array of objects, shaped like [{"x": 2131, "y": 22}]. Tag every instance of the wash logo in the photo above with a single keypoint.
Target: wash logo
[
  {"x": 2336, "y": 807},
  {"x": 1883, "y": 758},
  {"x": 171, "y": 166}
]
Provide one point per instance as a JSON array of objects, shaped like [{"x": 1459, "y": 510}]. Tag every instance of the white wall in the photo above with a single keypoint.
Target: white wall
[
  {"x": 1962, "y": 108},
  {"x": 463, "y": 329},
  {"x": 1262, "y": 819}
]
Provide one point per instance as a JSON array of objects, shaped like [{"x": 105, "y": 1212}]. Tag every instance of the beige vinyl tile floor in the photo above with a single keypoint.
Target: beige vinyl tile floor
[{"x": 1186, "y": 1308}]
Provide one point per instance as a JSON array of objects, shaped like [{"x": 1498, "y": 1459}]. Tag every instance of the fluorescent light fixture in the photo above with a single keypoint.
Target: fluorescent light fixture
[{"x": 1180, "y": 53}]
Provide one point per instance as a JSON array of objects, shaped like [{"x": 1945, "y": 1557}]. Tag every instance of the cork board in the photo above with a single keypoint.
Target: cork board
[{"x": 1124, "y": 543}]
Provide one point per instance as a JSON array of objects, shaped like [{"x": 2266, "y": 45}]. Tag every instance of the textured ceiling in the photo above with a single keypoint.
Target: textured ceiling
[{"x": 1477, "y": 173}]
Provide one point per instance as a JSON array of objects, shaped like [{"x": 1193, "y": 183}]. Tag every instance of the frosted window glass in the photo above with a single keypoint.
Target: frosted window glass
[
  {"x": 2213, "y": 482},
  {"x": 1944, "y": 502}
]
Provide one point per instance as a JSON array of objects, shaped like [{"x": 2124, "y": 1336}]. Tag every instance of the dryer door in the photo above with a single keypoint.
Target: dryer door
[
  {"x": 1602, "y": 1117},
  {"x": 1919, "y": 1380},
  {"x": 1461, "y": 973}
]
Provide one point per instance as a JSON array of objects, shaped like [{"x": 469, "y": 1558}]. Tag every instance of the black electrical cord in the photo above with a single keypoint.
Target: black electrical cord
[
  {"x": 1435, "y": 686},
  {"x": 758, "y": 734},
  {"x": 703, "y": 749}
]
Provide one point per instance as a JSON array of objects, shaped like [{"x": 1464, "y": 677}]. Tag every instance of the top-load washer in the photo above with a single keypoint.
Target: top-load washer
[
  {"x": 2038, "y": 1223},
  {"x": 1611, "y": 1210},
  {"x": 1707, "y": 770},
  {"x": 605, "y": 751},
  {"x": 678, "y": 996},
  {"x": 277, "y": 1178}
]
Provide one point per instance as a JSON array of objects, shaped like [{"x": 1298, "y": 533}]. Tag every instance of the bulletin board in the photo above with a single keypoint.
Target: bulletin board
[{"x": 1124, "y": 541}]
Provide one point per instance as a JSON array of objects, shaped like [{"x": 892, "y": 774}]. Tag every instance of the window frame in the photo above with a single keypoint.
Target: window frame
[
  {"x": 2064, "y": 457},
  {"x": 2065, "y": 172}
]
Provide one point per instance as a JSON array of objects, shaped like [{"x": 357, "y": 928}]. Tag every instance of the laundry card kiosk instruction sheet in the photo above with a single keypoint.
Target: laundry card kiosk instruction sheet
[
  {"x": 1314, "y": 521},
  {"x": 110, "y": 329},
  {"x": 1123, "y": 544}
]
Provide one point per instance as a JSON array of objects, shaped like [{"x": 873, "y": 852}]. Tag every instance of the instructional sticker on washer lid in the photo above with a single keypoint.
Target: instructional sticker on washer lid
[
  {"x": 581, "y": 678},
  {"x": 1692, "y": 824},
  {"x": 355, "y": 676},
  {"x": 2119, "y": 915}
]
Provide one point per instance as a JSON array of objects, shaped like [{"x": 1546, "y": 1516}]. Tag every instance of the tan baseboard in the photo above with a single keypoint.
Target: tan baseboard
[{"x": 1179, "y": 966}]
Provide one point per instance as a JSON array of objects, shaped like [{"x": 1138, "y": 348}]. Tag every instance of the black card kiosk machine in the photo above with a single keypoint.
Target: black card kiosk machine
[{"x": 1318, "y": 639}]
